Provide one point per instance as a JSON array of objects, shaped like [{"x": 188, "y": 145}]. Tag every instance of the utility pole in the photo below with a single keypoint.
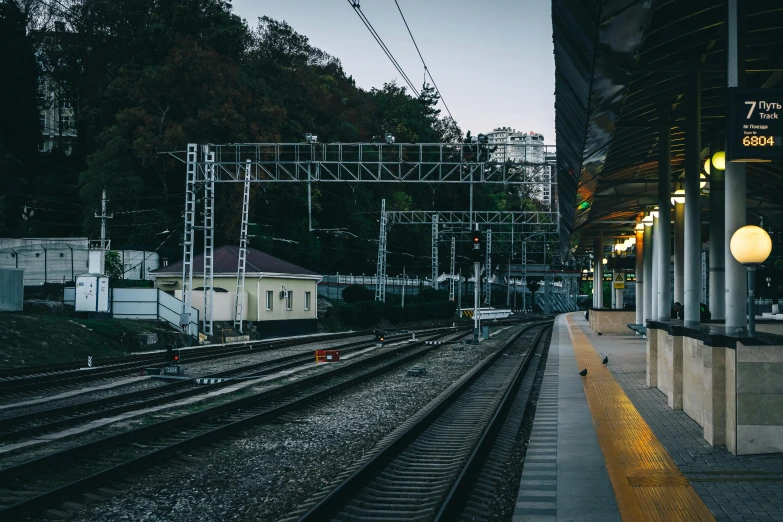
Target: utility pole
[
  {"x": 451, "y": 272},
  {"x": 524, "y": 277},
  {"x": 488, "y": 265},
  {"x": 403, "y": 287},
  {"x": 103, "y": 216},
  {"x": 475, "y": 303},
  {"x": 380, "y": 273}
]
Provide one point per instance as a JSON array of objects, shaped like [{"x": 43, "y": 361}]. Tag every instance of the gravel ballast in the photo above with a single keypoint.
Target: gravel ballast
[{"x": 269, "y": 470}]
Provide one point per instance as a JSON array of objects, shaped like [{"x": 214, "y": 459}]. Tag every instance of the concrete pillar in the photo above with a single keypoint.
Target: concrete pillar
[
  {"x": 717, "y": 246},
  {"x": 547, "y": 294},
  {"x": 679, "y": 252},
  {"x": 735, "y": 183},
  {"x": 692, "y": 269},
  {"x": 648, "y": 277},
  {"x": 640, "y": 276},
  {"x": 664, "y": 233}
]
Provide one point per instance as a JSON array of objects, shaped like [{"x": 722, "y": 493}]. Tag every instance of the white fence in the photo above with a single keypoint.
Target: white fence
[{"x": 144, "y": 304}]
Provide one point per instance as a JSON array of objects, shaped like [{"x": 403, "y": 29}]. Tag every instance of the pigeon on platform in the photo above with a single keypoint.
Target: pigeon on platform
[
  {"x": 583, "y": 373},
  {"x": 599, "y": 333},
  {"x": 605, "y": 361}
]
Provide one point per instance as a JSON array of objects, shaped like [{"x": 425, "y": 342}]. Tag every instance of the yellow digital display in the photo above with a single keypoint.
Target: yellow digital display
[{"x": 758, "y": 141}]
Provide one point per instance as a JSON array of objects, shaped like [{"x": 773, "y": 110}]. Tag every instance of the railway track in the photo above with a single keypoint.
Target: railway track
[
  {"x": 41, "y": 483},
  {"x": 16, "y": 383},
  {"x": 428, "y": 470},
  {"x": 29, "y": 425}
]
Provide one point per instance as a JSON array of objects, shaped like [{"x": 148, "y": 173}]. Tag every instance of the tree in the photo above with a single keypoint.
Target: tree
[{"x": 113, "y": 265}]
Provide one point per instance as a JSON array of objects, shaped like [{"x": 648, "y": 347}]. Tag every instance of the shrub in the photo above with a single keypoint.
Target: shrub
[{"x": 357, "y": 293}]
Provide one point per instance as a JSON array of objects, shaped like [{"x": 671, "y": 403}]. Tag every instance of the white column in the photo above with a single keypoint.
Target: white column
[
  {"x": 692, "y": 269},
  {"x": 735, "y": 188},
  {"x": 717, "y": 265},
  {"x": 663, "y": 234},
  {"x": 679, "y": 252},
  {"x": 648, "y": 273},
  {"x": 640, "y": 276},
  {"x": 655, "y": 269}
]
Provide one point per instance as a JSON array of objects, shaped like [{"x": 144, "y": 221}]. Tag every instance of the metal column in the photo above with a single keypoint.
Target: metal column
[
  {"x": 655, "y": 270},
  {"x": 716, "y": 278},
  {"x": 679, "y": 252},
  {"x": 380, "y": 272},
  {"x": 451, "y": 271},
  {"x": 242, "y": 254},
  {"x": 663, "y": 243},
  {"x": 209, "y": 237},
  {"x": 524, "y": 276},
  {"x": 648, "y": 274},
  {"x": 434, "y": 251},
  {"x": 598, "y": 274},
  {"x": 639, "y": 285},
  {"x": 188, "y": 239},
  {"x": 488, "y": 268},
  {"x": 735, "y": 184},
  {"x": 692, "y": 269}
]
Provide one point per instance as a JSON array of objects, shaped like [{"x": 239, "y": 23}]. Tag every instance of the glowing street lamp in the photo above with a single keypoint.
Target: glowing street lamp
[
  {"x": 751, "y": 246},
  {"x": 678, "y": 197}
]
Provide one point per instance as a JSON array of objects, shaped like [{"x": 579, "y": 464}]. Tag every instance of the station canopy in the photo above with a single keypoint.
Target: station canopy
[{"x": 617, "y": 62}]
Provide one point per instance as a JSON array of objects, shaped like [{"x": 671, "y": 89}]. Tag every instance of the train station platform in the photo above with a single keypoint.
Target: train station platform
[{"x": 607, "y": 447}]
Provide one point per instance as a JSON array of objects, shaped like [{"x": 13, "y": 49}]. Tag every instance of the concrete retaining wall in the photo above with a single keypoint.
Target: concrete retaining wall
[
  {"x": 611, "y": 321},
  {"x": 759, "y": 399}
]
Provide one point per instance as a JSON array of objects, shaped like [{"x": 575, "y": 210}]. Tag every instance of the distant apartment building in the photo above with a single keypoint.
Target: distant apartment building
[
  {"x": 528, "y": 148},
  {"x": 56, "y": 117}
]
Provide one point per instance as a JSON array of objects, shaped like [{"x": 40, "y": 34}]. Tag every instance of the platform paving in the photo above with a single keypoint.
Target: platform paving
[
  {"x": 564, "y": 476},
  {"x": 734, "y": 488}
]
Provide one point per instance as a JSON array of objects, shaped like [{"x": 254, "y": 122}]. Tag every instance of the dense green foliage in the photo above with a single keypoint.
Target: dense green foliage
[{"x": 146, "y": 76}]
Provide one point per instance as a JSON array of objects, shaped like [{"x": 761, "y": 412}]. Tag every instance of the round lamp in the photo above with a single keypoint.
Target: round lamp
[
  {"x": 655, "y": 213},
  {"x": 702, "y": 180},
  {"x": 648, "y": 221},
  {"x": 750, "y": 245},
  {"x": 639, "y": 226},
  {"x": 679, "y": 196},
  {"x": 707, "y": 165},
  {"x": 584, "y": 270},
  {"x": 604, "y": 261},
  {"x": 719, "y": 160}
]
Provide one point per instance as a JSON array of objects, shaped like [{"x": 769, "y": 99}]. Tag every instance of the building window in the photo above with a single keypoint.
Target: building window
[
  {"x": 289, "y": 300},
  {"x": 65, "y": 122},
  {"x": 307, "y": 300},
  {"x": 66, "y": 104},
  {"x": 269, "y": 295}
]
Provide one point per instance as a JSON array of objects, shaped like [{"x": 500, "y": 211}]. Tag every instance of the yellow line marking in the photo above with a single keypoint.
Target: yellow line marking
[{"x": 647, "y": 483}]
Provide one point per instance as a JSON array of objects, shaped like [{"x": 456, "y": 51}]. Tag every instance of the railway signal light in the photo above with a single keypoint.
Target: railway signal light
[
  {"x": 476, "y": 246},
  {"x": 379, "y": 337}
]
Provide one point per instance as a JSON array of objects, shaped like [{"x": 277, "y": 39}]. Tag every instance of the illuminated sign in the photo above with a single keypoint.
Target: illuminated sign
[{"x": 755, "y": 125}]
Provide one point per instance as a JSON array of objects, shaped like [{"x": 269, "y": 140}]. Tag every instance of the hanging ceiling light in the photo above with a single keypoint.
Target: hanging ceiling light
[{"x": 719, "y": 160}]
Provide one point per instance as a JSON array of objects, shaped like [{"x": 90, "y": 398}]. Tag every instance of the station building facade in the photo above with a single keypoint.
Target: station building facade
[{"x": 280, "y": 297}]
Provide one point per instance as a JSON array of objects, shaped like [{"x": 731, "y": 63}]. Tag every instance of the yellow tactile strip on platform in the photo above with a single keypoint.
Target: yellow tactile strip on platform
[{"x": 646, "y": 481}]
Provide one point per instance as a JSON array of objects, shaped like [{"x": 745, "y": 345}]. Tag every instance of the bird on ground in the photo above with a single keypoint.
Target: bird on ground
[
  {"x": 583, "y": 373},
  {"x": 599, "y": 333},
  {"x": 605, "y": 361}
]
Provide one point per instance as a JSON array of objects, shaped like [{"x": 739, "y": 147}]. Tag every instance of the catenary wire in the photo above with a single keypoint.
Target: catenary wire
[
  {"x": 385, "y": 49},
  {"x": 426, "y": 69}
]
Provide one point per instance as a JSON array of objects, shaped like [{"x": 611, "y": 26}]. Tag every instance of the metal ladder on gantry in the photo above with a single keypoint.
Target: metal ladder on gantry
[{"x": 329, "y": 162}]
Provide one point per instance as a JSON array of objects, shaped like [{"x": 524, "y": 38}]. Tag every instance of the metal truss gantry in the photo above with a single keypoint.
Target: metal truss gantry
[
  {"x": 488, "y": 268},
  {"x": 379, "y": 162},
  {"x": 451, "y": 271},
  {"x": 242, "y": 254},
  {"x": 517, "y": 164},
  {"x": 380, "y": 278}
]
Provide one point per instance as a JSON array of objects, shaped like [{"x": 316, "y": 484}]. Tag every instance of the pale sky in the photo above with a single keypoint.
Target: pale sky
[{"x": 491, "y": 59}]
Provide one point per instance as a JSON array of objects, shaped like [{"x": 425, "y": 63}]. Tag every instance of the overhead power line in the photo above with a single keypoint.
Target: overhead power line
[
  {"x": 426, "y": 69},
  {"x": 374, "y": 33}
]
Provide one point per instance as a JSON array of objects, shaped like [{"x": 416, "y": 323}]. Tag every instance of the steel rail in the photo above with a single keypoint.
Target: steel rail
[
  {"x": 45, "y": 421},
  {"x": 332, "y": 505},
  {"x": 161, "y": 440}
]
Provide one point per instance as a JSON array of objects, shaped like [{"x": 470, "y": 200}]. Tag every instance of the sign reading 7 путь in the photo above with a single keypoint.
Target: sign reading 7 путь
[{"x": 755, "y": 125}]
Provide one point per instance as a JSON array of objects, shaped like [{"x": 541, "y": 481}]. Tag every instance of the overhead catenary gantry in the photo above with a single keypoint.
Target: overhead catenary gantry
[{"x": 431, "y": 163}]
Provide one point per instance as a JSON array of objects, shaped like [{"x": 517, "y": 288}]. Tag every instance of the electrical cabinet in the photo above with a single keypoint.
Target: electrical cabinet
[{"x": 92, "y": 293}]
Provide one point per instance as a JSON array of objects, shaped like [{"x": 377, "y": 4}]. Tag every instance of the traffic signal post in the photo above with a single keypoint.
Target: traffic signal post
[{"x": 476, "y": 255}]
